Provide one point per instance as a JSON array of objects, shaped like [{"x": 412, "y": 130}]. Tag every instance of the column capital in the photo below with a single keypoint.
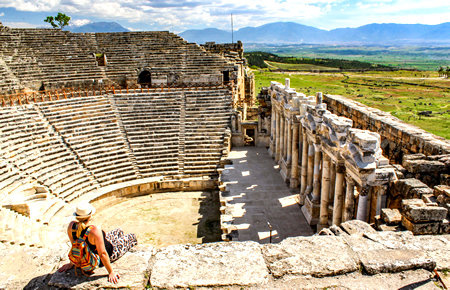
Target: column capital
[
  {"x": 350, "y": 180},
  {"x": 317, "y": 147},
  {"x": 365, "y": 190},
  {"x": 326, "y": 158},
  {"x": 340, "y": 168}
]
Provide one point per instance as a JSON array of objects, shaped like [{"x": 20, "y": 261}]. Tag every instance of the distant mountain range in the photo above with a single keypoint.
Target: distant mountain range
[
  {"x": 98, "y": 27},
  {"x": 290, "y": 32},
  {"x": 294, "y": 33}
]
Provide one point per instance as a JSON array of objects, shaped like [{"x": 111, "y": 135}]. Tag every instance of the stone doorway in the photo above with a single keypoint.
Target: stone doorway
[
  {"x": 145, "y": 79},
  {"x": 249, "y": 137}
]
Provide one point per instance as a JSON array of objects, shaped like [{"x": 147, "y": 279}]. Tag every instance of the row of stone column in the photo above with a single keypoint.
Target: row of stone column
[{"x": 320, "y": 177}]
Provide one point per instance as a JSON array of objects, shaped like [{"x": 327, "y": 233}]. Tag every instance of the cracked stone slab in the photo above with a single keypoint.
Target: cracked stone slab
[
  {"x": 214, "y": 264},
  {"x": 315, "y": 256},
  {"x": 391, "y": 261},
  {"x": 437, "y": 247},
  {"x": 390, "y": 252},
  {"x": 132, "y": 268},
  {"x": 357, "y": 227}
]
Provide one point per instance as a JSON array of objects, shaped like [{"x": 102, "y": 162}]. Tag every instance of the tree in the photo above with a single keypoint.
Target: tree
[{"x": 60, "y": 21}]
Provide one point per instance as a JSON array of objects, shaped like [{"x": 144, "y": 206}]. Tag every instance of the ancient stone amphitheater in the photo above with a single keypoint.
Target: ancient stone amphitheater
[{"x": 111, "y": 115}]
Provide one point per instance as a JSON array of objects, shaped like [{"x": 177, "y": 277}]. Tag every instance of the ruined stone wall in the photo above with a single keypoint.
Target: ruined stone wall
[
  {"x": 341, "y": 171},
  {"x": 398, "y": 138},
  {"x": 232, "y": 50},
  {"x": 245, "y": 78}
]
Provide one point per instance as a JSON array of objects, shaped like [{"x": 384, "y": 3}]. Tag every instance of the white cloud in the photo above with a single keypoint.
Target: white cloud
[
  {"x": 178, "y": 15},
  {"x": 79, "y": 22},
  {"x": 21, "y": 25},
  {"x": 2, "y": 14}
]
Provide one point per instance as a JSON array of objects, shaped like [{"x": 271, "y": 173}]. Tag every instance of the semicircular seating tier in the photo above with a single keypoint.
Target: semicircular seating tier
[
  {"x": 56, "y": 153},
  {"x": 37, "y": 59}
]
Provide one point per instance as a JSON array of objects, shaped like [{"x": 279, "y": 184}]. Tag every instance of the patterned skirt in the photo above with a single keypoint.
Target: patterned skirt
[{"x": 121, "y": 243}]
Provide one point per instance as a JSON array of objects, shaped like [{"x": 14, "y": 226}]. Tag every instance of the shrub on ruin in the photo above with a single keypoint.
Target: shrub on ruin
[{"x": 59, "y": 21}]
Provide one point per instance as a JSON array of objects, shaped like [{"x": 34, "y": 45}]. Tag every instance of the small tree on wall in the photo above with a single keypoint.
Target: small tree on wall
[{"x": 60, "y": 21}]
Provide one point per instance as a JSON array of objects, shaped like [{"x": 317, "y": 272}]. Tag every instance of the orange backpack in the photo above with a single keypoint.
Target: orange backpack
[{"x": 82, "y": 257}]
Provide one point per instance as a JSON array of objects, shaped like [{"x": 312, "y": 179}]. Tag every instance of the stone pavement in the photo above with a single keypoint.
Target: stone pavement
[{"x": 257, "y": 195}]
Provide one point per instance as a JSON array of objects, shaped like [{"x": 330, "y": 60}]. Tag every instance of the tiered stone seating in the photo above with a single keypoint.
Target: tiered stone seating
[
  {"x": 49, "y": 56},
  {"x": 152, "y": 124},
  {"x": 207, "y": 117},
  {"x": 90, "y": 128},
  {"x": 21, "y": 230},
  {"x": 30, "y": 57},
  {"x": 29, "y": 144}
]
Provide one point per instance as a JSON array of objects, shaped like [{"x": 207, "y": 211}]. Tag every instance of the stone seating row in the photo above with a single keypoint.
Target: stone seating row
[
  {"x": 71, "y": 173},
  {"x": 21, "y": 230},
  {"x": 66, "y": 56},
  {"x": 44, "y": 158}
]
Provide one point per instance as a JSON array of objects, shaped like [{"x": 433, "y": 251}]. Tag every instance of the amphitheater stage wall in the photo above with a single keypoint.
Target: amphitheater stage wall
[{"x": 151, "y": 185}]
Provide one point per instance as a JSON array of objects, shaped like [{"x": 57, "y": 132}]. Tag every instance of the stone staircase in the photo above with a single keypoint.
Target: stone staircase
[
  {"x": 21, "y": 230},
  {"x": 152, "y": 125}
]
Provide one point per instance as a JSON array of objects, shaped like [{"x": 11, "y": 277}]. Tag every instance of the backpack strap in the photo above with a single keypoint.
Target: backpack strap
[{"x": 86, "y": 233}]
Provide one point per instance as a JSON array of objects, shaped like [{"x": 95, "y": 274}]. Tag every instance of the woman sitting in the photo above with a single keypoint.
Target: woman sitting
[{"x": 109, "y": 246}]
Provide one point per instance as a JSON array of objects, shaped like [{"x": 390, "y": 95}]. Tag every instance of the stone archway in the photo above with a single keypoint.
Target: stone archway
[{"x": 145, "y": 78}]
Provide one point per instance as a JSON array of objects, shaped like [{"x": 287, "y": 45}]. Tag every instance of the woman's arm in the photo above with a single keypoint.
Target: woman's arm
[{"x": 100, "y": 244}]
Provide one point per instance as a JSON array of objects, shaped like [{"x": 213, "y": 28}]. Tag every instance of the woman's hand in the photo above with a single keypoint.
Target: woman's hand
[
  {"x": 113, "y": 277},
  {"x": 65, "y": 267}
]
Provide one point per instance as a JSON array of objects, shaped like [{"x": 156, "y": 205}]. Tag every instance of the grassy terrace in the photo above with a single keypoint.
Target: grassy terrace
[{"x": 402, "y": 93}]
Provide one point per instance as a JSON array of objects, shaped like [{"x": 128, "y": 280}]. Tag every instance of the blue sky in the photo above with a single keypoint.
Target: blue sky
[{"x": 178, "y": 16}]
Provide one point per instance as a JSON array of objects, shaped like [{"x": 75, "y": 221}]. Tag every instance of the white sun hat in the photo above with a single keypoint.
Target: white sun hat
[{"x": 84, "y": 209}]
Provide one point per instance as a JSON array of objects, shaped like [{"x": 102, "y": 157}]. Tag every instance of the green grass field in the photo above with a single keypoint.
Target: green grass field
[
  {"x": 410, "y": 57},
  {"x": 402, "y": 93},
  {"x": 298, "y": 67}
]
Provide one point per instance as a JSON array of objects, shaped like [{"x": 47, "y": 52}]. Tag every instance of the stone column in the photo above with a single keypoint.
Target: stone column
[
  {"x": 324, "y": 195},
  {"x": 300, "y": 145},
  {"x": 293, "y": 183},
  {"x": 332, "y": 180},
  {"x": 289, "y": 141},
  {"x": 310, "y": 170},
  {"x": 286, "y": 135},
  {"x": 363, "y": 204},
  {"x": 273, "y": 120},
  {"x": 282, "y": 136},
  {"x": 381, "y": 199},
  {"x": 316, "y": 176},
  {"x": 277, "y": 137},
  {"x": 303, "y": 180},
  {"x": 338, "y": 195},
  {"x": 349, "y": 199}
]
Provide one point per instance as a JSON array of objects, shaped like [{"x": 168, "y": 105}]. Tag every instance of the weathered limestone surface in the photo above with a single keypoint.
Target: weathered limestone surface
[
  {"x": 356, "y": 227},
  {"x": 316, "y": 256},
  {"x": 132, "y": 268},
  {"x": 215, "y": 264},
  {"x": 27, "y": 266},
  {"x": 437, "y": 247},
  {"x": 416, "y": 211},
  {"x": 426, "y": 228},
  {"x": 388, "y": 253},
  {"x": 391, "y": 216},
  {"x": 237, "y": 264}
]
